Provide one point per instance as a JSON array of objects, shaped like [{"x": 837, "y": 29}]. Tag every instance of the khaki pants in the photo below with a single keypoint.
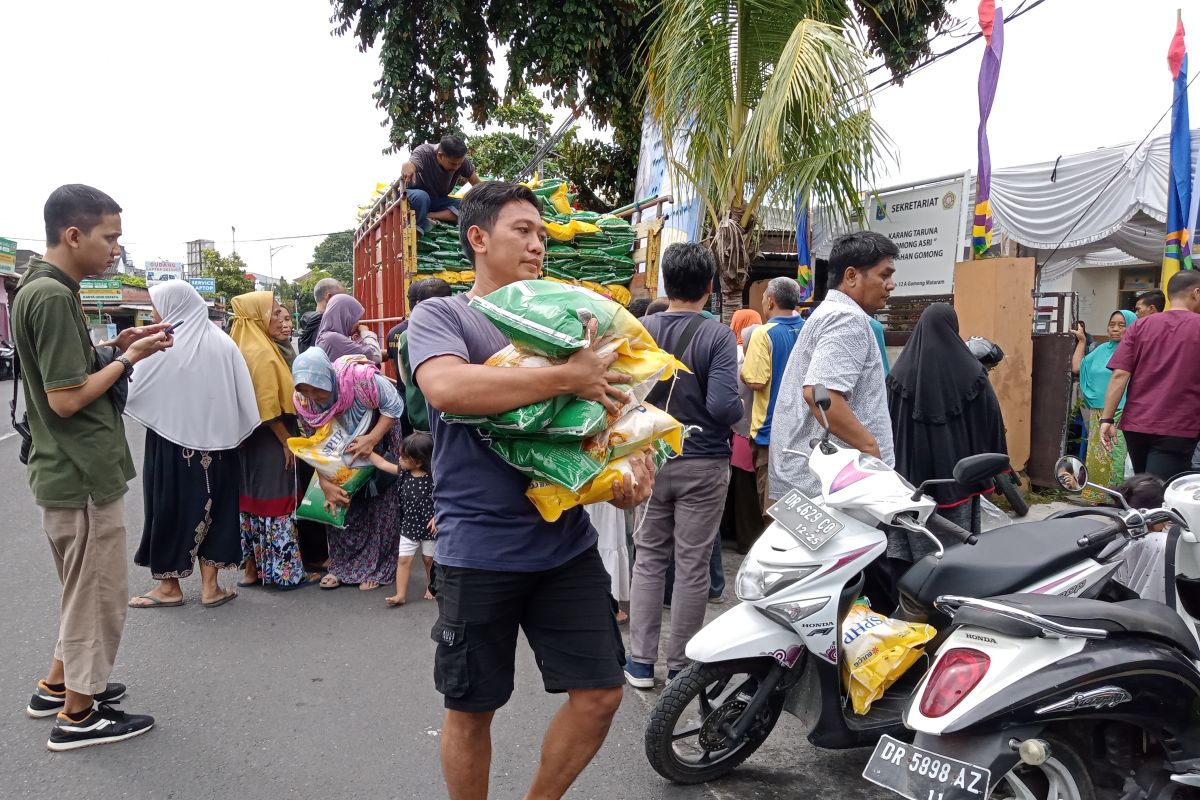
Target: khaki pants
[
  {"x": 681, "y": 521},
  {"x": 89, "y": 553},
  {"x": 761, "y": 461}
]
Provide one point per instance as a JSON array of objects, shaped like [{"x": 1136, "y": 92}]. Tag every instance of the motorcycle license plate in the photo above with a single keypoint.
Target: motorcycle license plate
[
  {"x": 919, "y": 774},
  {"x": 805, "y": 520}
]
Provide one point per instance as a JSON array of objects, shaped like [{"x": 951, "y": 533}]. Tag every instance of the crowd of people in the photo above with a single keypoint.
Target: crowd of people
[{"x": 222, "y": 486}]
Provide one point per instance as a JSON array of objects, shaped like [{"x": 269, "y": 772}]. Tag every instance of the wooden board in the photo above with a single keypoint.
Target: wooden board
[
  {"x": 994, "y": 299},
  {"x": 1052, "y": 384}
]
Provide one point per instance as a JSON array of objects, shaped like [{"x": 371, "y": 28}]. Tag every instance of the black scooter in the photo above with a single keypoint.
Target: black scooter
[{"x": 1061, "y": 698}]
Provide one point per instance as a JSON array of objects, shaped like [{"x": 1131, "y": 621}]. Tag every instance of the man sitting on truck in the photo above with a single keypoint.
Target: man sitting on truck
[{"x": 431, "y": 174}]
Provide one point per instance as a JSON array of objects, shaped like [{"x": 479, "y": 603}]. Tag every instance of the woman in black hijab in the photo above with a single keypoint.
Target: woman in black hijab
[{"x": 943, "y": 409}]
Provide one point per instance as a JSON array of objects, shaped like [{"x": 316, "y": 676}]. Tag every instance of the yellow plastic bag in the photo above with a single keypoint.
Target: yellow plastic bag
[
  {"x": 559, "y": 200},
  {"x": 877, "y": 651},
  {"x": 551, "y": 500},
  {"x": 325, "y": 450},
  {"x": 560, "y": 232}
]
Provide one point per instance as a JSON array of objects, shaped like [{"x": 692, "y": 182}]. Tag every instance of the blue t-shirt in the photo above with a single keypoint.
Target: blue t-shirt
[{"x": 484, "y": 519}]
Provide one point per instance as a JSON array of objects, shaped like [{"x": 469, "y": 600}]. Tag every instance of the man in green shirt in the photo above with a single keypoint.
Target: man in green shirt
[{"x": 79, "y": 463}]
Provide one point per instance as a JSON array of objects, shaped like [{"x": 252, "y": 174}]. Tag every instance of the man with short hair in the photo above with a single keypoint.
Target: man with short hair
[
  {"x": 310, "y": 321},
  {"x": 767, "y": 355},
  {"x": 837, "y": 349},
  {"x": 1155, "y": 368},
  {"x": 79, "y": 463},
  {"x": 416, "y": 414},
  {"x": 501, "y": 567},
  {"x": 1151, "y": 302},
  {"x": 431, "y": 174},
  {"x": 684, "y": 513}
]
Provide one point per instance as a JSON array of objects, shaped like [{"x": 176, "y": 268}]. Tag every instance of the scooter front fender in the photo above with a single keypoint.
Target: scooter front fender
[{"x": 743, "y": 632}]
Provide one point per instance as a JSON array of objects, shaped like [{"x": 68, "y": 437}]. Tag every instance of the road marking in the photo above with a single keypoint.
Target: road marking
[{"x": 8, "y": 435}]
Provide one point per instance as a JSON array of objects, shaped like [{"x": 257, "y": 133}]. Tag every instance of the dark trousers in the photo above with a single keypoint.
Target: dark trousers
[{"x": 1162, "y": 456}]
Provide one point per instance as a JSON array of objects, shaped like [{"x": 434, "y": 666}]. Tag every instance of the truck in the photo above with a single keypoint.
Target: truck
[{"x": 385, "y": 254}]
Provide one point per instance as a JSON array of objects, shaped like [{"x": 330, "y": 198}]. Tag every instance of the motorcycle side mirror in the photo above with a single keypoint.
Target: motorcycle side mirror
[
  {"x": 1071, "y": 474},
  {"x": 822, "y": 401},
  {"x": 821, "y": 397}
]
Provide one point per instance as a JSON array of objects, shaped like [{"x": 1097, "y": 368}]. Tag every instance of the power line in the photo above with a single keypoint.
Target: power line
[
  {"x": 1133, "y": 151},
  {"x": 1021, "y": 9}
]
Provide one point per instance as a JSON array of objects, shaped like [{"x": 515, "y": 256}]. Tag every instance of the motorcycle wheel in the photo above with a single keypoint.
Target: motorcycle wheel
[
  {"x": 1063, "y": 776},
  {"x": 1012, "y": 494},
  {"x": 684, "y": 743}
]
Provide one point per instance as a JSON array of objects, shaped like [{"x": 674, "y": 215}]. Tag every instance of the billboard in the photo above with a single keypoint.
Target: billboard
[
  {"x": 927, "y": 225},
  {"x": 8, "y": 257},
  {"x": 162, "y": 271},
  {"x": 103, "y": 292}
]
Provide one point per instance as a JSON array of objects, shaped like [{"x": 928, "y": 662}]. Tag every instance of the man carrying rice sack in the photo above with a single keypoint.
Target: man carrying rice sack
[{"x": 501, "y": 566}]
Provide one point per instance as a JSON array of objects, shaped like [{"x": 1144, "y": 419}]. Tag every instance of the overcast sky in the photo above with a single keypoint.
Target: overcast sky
[{"x": 201, "y": 116}]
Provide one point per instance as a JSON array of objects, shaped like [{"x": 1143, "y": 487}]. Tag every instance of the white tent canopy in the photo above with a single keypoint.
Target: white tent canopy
[{"x": 1050, "y": 204}]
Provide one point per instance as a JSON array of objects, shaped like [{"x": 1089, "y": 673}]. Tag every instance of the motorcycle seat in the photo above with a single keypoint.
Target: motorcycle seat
[
  {"x": 1005, "y": 560},
  {"x": 1126, "y": 618}
]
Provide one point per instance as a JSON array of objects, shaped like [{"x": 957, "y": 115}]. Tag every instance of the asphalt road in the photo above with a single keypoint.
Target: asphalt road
[{"x": 307, "y": 694}]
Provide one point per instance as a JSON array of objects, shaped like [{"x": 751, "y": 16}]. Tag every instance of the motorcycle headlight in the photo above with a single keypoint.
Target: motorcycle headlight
[
  {"x": 788, "y": 614},
  {"x": 756, "y": 580}
]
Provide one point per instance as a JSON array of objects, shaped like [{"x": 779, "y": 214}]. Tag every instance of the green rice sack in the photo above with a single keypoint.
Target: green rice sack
[
  {"x": 547, "y": 318},
  {"x": 570, "y": 465},
  {"x": 312, "y": 506}
]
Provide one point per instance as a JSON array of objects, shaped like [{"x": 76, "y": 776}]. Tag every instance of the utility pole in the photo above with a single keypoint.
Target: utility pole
[
  {"x": 234, "y": 231},
  {"x": 271, "y": 260}
]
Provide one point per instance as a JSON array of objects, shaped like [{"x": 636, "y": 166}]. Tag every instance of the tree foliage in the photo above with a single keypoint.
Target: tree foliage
[
  {"x": 599, "y": 171},
  {"x": 229, "y": 271},
  {"x": 785, "y": 112},
  {"x": 335, "y": 255},
  {"x": 436, "y": 58}
]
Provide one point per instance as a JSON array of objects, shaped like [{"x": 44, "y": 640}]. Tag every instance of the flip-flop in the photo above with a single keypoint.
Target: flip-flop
[
  {"x": 229, "y": 595},
  {"x": 309, "y": 580},
  {"x": 250, "y": 584},
  {"x": 337, "y": 584},
  {"x": 154, "y": 602}
]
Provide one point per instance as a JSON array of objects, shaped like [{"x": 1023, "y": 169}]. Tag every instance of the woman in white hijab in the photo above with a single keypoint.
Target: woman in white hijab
[{"x": 198, "y": 405}]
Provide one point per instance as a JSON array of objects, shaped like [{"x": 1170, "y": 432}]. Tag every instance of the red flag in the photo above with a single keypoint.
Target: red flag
[
  {"x": 1176, "y": 52},
  {"x": 987, "y": 18}
]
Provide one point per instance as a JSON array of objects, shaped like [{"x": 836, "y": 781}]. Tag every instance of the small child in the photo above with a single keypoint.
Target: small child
[
  {"x": 1143, "y": 567},
  {"x": 416, "y": 510}
]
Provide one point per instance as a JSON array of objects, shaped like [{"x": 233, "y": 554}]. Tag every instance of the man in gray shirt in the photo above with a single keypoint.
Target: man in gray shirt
[
  {"x": 431, "y": 174},
  {"x": 837, "y": 349}
]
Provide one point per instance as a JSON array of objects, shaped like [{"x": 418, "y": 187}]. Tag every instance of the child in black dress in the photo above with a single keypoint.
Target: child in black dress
[{"x": 416, "y": 510}]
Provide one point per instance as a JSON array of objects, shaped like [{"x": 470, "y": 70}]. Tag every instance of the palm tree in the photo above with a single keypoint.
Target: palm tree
[{"x": 763, "y": 102}]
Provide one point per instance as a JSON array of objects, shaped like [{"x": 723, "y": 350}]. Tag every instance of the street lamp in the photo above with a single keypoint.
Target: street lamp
[{"x": 271, "y": 260}]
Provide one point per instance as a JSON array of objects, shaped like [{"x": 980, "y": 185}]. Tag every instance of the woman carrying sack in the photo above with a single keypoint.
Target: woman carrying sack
[
  {"x": 268, "y": 485},
  {"x": 364, "y": 552},
  {"x": 198, "y": 404}
]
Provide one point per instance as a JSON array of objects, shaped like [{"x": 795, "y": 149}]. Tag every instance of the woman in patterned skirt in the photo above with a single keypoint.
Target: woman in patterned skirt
[
  {"x": 268, "y": 468},
  {"x": 198, "y": 405}
]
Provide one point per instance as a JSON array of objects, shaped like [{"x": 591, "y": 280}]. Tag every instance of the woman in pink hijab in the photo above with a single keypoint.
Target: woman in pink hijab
[{"x": 341, "y": 335}]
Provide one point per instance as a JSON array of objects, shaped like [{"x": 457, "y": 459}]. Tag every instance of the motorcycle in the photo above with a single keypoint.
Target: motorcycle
[
  {"x": 781, "y": 647},
  {"x": 1037, "y": 696},
  {"x": 7, "y": 353}
]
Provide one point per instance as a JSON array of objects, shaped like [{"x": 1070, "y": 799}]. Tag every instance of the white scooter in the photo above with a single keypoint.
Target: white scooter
[
  {"x": 781, "y": 647},
  {"x": 1052, "y": 698}
]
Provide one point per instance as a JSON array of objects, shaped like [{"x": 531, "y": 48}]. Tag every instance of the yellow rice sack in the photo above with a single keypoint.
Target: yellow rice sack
[{"x": 877, "y": 651}]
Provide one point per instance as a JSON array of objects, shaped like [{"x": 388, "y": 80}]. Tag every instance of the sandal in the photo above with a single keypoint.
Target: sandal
[
  {"x": 330, "y": 581},
  {"x": 308, "y": 580},
  {"x": 154, "y": 602},
  {"x": 220, "y": 601},
  {"x": 368, "y": 586}
]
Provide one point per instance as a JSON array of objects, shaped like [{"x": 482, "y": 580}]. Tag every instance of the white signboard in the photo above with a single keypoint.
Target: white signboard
[
  {"x": 162, "y": 271},
  {"x": 927, "y": 225}
]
